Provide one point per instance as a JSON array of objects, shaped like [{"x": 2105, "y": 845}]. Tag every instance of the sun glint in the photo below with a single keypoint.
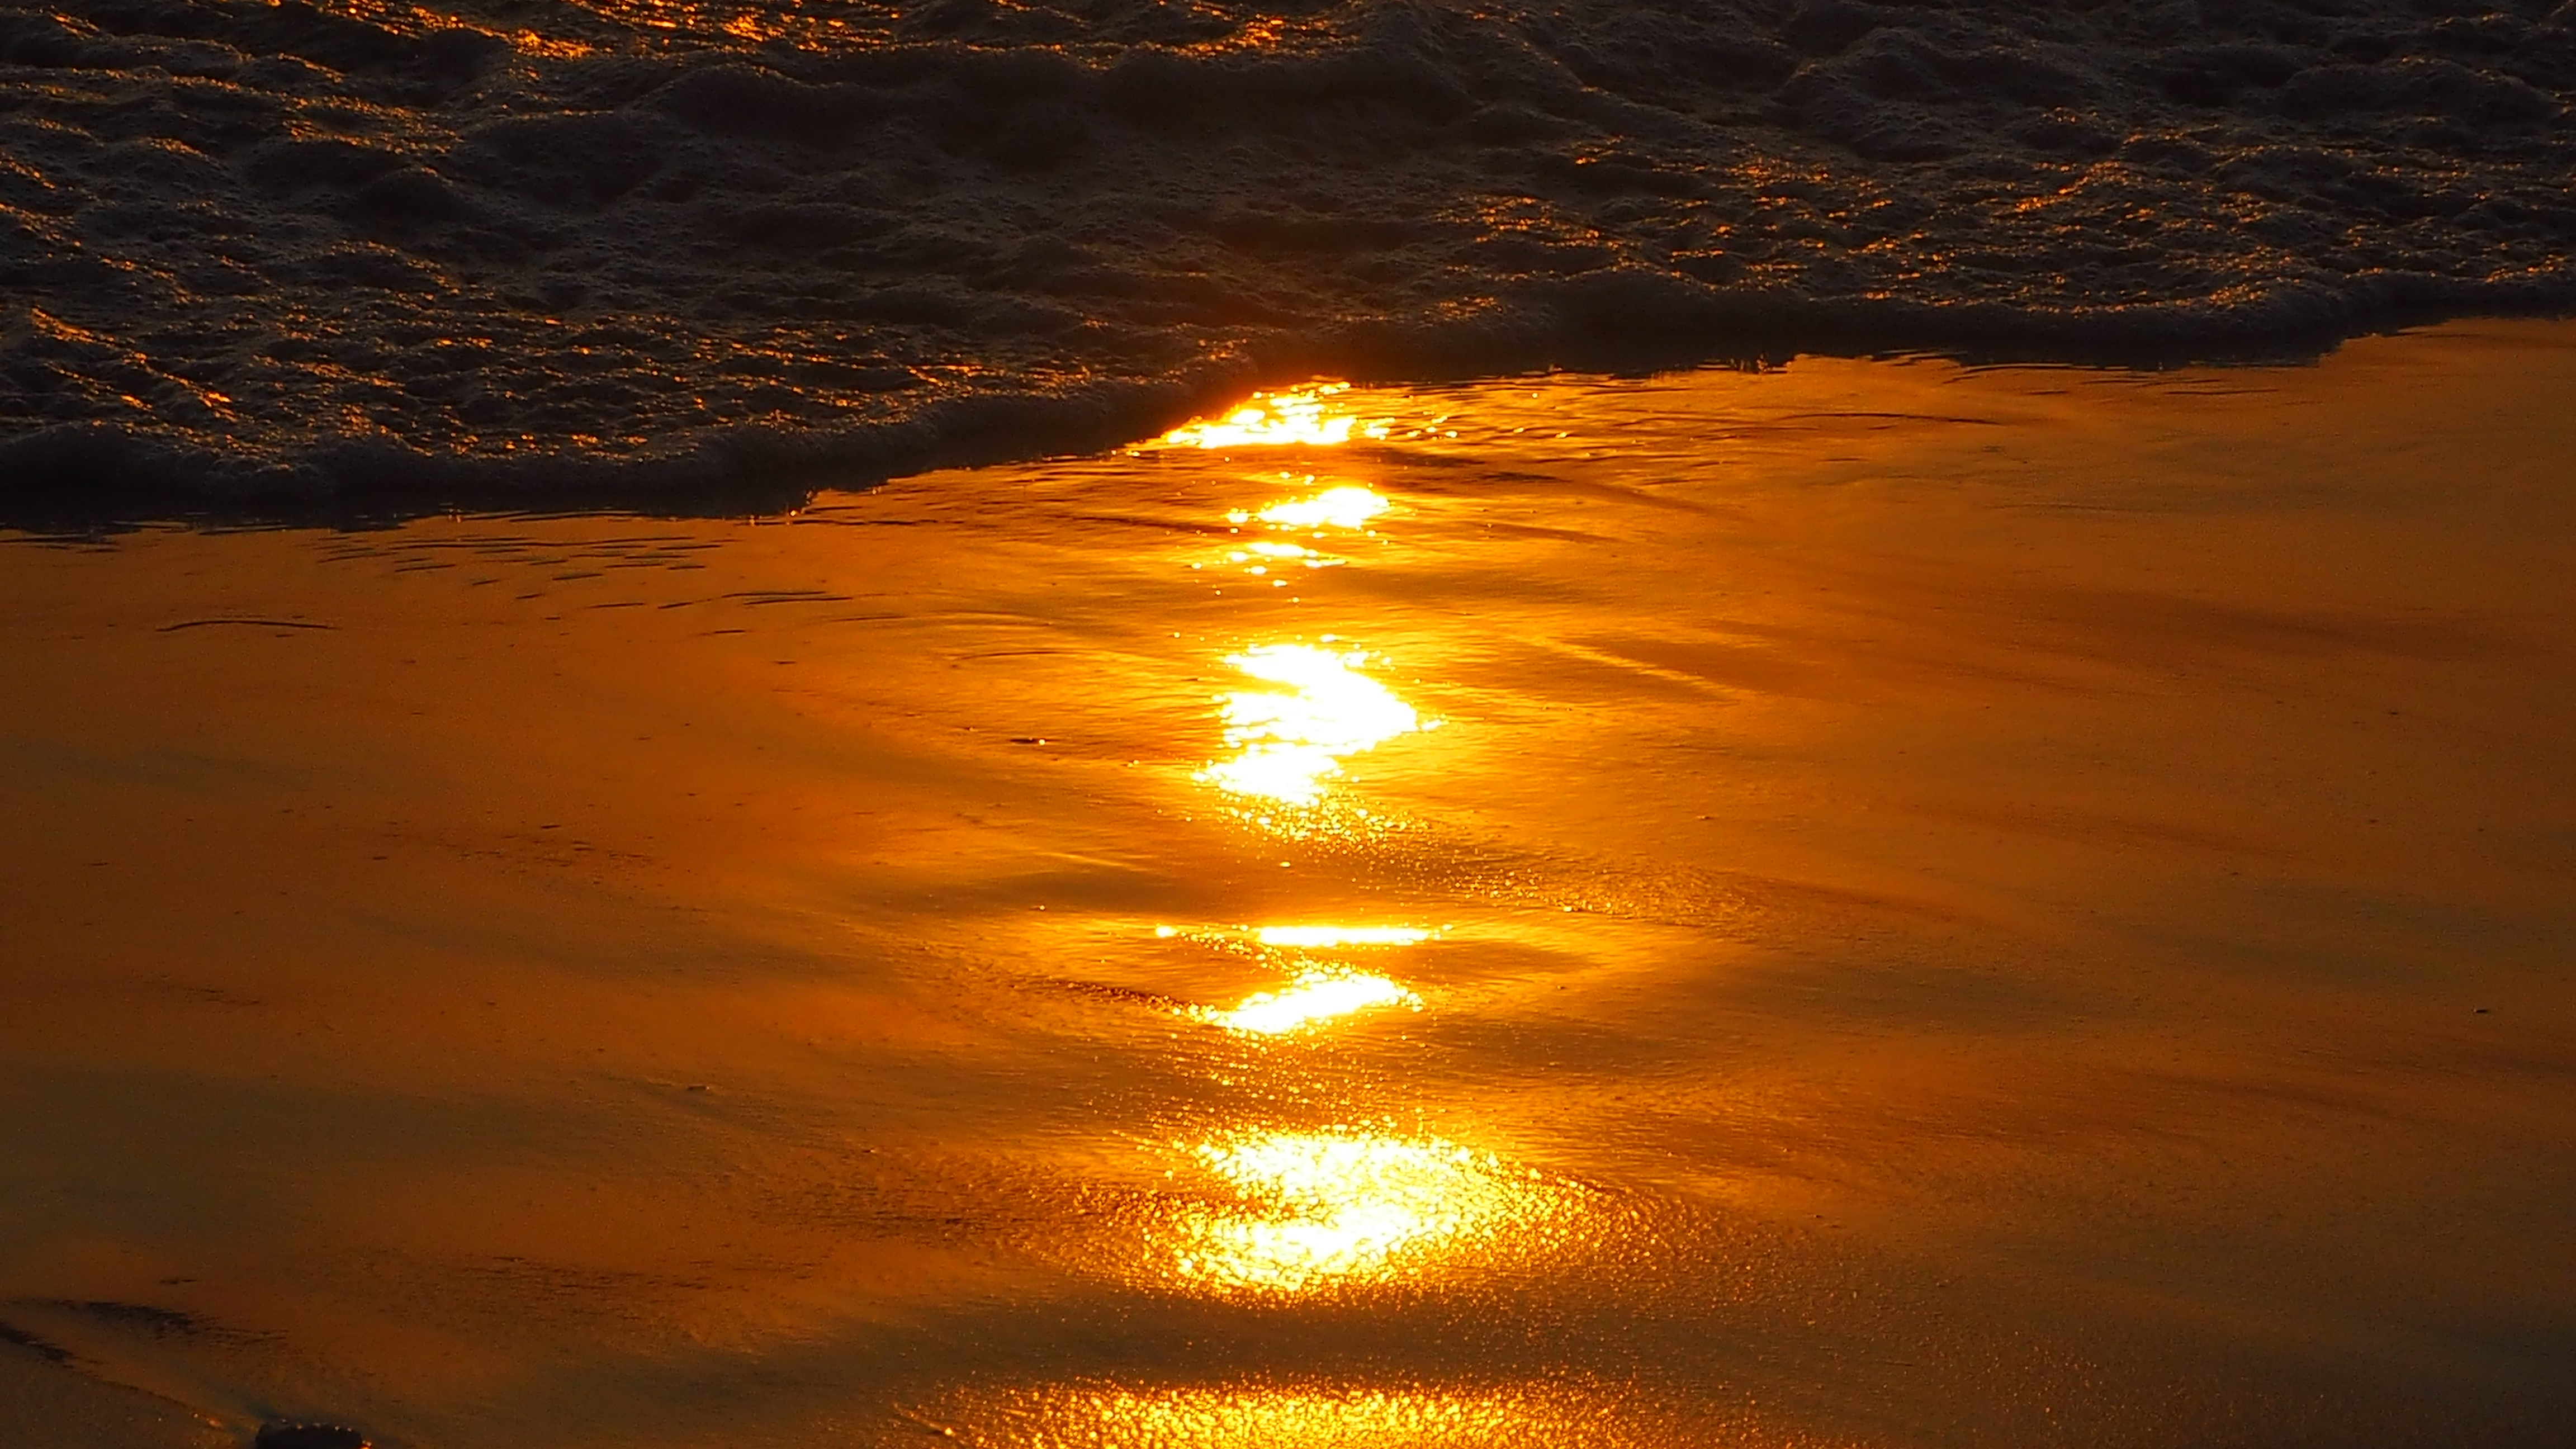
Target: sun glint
[
  {"x": 1346, "y": 506},
  {"x": 1269, "y": 1415},
  {"x": 1322, "y": 937},
  {"x": 1287, "y": 742},
  {"x": 1342, "y": 1205},
  {"x": 1300, "y": 415},
  {"x": 1316, "y": 996}
]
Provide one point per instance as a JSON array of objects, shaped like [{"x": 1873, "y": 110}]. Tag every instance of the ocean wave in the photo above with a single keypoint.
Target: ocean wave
[{"x": 348, "y": 248}]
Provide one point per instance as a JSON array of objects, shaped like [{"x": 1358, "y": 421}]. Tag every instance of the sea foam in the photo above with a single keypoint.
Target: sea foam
[{"x": 641, "y": 245}]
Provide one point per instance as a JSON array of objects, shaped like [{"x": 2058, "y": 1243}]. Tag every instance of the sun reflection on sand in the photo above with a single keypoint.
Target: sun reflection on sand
[
  {"x": 1319, "y": 994},
  {"x": 1301, "y": 415},
  {"x": 1323, "y": 937},
  {"x": 1298, "y": 1416},
  {"x": 1347, "y": 1205},
  {"x": 1345, "y": 505},
  {"x": 1288, "y": 741},
  {"x": 1348, "y": 507}
]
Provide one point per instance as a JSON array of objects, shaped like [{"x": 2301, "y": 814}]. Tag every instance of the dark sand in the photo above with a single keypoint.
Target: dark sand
[{"x": 2016, "y": 906}]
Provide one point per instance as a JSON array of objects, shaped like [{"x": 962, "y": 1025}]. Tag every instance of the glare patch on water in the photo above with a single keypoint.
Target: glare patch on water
[
  {"x": 1288, "y": 741},
  {"x": 1259, "y": 558},
  {"x": 1346, "y": 505},
  {"x": 1301, "y": 415},
  {"x": 1327, "y": 937},
  {"x": 1314, "y": 1209},
  {"x": 1301, "y": 938},
  {"x": 1318, "y": 995},
  {"x": 1300, "y": 1416}
]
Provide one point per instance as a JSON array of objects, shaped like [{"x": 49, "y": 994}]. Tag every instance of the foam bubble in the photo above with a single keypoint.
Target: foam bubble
[{"x": 630, "y": 245}]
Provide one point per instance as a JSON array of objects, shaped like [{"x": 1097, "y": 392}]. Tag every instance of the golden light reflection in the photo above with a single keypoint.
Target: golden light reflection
[
  {"x": 1347, "y": 505},
  {"x": 1289, "y": 551},
  {"x": 1258, "y": 557},
  {"x": 1301, "y": 415},
  {"x": 1325, "y": 937},
  {"x": 1294, "y": 1416},
  {"x": 1288, "y": 741},
  {"x": 1318, "y": 1208},
  {"x": 1317, "y": 995}
]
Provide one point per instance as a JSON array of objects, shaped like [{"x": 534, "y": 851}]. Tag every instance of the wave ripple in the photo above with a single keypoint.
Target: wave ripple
[{"x": 342, "y": 245}]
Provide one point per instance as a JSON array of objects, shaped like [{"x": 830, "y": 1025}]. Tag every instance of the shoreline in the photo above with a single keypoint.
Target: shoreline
[
  {"x": 618, "y": 248},
  {"x": 63, "y": 476}
]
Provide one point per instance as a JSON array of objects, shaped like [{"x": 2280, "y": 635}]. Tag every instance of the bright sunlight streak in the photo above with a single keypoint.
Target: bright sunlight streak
[
  {"x": 1346, "y": 506},
  {"x": 1320, "y": 937},
  {"x": 1317, "y": 995},
  {"x": 1319, "y": 1207},
  {"x": 1300, "y": 415},
  {"x": 1287, "y": 742}
]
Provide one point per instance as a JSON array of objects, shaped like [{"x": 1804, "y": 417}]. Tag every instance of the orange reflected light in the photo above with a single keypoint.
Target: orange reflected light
[
  {"x": 1288, "y": 742},
  {"x": 1299, "y": 552},
  {"x": 1346, "y": 506},
  {"x": 1324, "y": 937},
  {"x": 1317, "y": 995},
  {"x": 1257, "y": 557},
  {"x": 1302, "y": 415},
  {"x": 1318, "y": 1208},
  {"x": 1304, "y": 1416}
]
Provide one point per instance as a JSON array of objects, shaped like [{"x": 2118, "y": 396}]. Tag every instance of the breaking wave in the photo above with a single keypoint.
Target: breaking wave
[{"x": 353, "y": 246}]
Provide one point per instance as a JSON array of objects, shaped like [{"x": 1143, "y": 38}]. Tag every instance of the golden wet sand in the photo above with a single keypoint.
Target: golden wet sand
[{"x": 1870, "y": 903}]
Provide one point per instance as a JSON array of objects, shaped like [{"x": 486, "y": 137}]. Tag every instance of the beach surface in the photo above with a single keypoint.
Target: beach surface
[{"x": 1872, "y": 903}]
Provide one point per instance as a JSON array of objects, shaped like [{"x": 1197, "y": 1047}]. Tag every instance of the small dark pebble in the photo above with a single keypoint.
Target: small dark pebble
[
  {"x": 308, "y": 1436},
  {"x": 2482, "y": 1011}
]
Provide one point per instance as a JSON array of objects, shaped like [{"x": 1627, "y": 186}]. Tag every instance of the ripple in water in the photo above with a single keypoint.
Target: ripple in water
[{"x": 621, "y": 248}]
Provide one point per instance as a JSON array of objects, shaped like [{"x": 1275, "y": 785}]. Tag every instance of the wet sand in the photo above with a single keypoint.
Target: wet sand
[{"x": 1871, "y": 904}]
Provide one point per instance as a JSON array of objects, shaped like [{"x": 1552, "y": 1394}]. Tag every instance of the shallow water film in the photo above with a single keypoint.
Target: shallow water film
[{"x": 1872, "y": 904}]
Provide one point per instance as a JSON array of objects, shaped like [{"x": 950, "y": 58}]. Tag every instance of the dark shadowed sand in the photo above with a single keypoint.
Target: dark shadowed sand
[{"x": 1876, "y": 903}]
